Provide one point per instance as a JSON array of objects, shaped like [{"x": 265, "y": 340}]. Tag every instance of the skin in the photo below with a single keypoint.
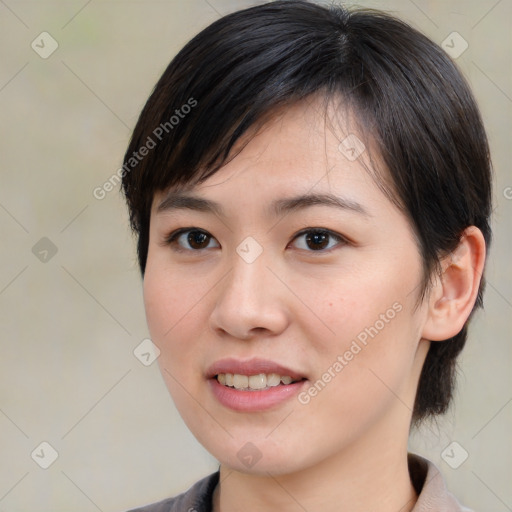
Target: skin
[{"x": 302, "y": 308}]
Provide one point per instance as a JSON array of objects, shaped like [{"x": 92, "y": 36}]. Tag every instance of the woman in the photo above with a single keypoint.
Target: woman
[{"x": 311, "y": 192}]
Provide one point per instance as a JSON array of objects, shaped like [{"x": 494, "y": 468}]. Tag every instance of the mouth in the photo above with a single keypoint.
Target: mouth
[{"x": 253, "y": 385}]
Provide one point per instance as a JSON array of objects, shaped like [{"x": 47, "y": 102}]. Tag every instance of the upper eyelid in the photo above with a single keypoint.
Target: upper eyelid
[{"x": 171, "y": 237}]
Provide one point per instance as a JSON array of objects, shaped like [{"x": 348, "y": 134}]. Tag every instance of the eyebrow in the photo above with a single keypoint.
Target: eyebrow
[{"x": 181, "y": 201}]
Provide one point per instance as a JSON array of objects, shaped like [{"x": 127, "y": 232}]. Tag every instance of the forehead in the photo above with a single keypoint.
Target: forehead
[{"x": 311, "y": 148}]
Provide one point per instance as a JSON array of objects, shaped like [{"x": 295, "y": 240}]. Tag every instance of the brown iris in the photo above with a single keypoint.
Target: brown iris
[
  {"x": 198, "y": 239},
  {"x": 318, "y": 239}
]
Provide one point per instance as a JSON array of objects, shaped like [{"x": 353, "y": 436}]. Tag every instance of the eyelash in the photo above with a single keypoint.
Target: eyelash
[{"x": 172, "y": 239}]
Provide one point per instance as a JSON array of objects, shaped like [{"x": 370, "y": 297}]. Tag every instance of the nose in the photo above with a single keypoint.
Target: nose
[{"x": 251, "y": 301}]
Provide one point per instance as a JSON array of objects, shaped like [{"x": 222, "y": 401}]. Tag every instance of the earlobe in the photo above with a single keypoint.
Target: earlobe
[{"x": 455, "y": 291}]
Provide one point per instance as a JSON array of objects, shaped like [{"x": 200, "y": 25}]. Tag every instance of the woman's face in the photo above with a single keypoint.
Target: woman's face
[{"x": 301, "y": 271}]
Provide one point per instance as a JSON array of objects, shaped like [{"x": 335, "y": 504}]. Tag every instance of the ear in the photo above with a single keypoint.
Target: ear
[{"x": 455, "y": 291}]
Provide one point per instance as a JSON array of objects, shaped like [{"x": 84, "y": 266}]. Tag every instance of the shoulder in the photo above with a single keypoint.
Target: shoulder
[
  {"x": 197, "y": 499},
  {"x": 431, "y": 488}
]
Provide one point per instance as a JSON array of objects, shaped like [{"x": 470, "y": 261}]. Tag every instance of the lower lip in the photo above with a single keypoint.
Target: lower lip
[{"x": 253, "y": 401}]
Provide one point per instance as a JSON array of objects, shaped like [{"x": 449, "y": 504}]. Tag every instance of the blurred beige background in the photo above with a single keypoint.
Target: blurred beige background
[{"x": 71, "y": 310}]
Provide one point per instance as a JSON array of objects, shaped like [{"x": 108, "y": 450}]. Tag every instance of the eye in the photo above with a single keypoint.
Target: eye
[
  {"x": 190, "y": 239},
  {"x": 318, "y": 239},
  {"x": 311, "y": 240}
]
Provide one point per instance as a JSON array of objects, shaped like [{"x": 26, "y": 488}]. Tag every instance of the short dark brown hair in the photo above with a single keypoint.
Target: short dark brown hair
[{"x": 405, "y": 91}]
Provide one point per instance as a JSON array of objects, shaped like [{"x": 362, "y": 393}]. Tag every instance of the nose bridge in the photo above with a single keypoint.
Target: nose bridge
[
  {"x": 247, "y": 300},
  {"x": 247, "y": 277}
]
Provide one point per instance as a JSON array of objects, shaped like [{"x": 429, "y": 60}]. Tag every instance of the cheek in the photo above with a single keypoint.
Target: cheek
[
  {"x": 171, "y": 312},
  {"x": 160, "y": 304},
  {"x": 172, "y": 307},
  {"x": 365, "y": 330},
  {"x": 336, "y": 311},
  {"x": 169, "y": 295}
]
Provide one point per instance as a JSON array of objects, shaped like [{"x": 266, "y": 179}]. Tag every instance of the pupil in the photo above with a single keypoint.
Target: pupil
[
  {"x": 197, "y": 239},
  {"x": 319, "y": 240}
]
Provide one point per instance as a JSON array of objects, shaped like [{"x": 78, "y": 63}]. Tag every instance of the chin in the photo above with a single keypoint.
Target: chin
[{"x": 257, "y": 457}]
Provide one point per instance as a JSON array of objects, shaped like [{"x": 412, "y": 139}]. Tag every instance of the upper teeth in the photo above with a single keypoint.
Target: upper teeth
[{"x": 260, "y": 381}]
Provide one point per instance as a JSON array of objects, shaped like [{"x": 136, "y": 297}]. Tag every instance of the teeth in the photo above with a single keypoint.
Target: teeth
[
  {"x": 273, "y": 379},
  {"x": 256, "y": 382},
  {"x": 240, "y": 381}
]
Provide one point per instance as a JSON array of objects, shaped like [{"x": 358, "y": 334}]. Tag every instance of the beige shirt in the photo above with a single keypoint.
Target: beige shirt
[{"x": 433, "y": 495}]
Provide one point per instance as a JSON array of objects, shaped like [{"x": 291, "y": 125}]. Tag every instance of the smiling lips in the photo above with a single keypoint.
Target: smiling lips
[{"x": 253, "y": 385}]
